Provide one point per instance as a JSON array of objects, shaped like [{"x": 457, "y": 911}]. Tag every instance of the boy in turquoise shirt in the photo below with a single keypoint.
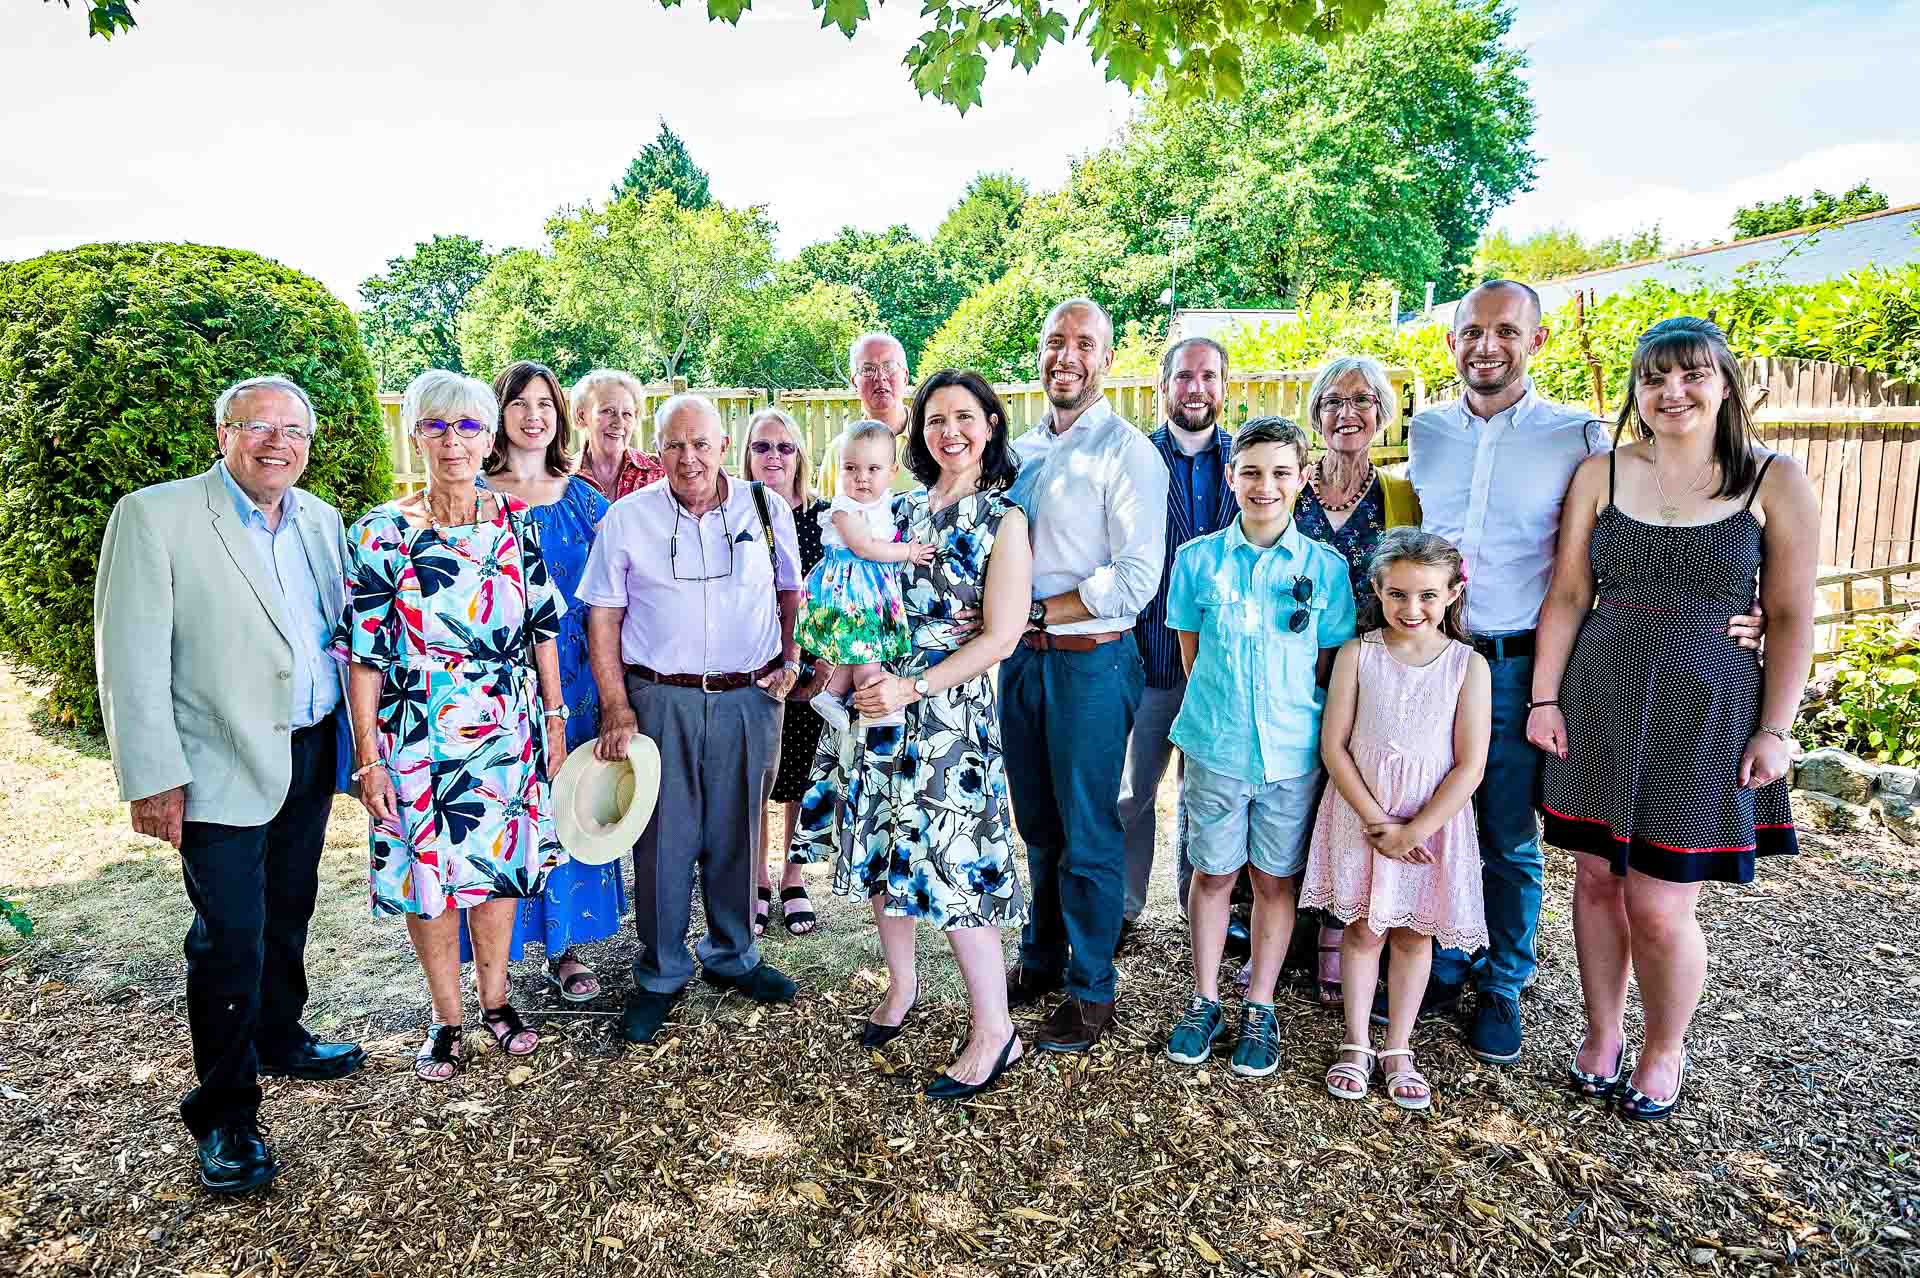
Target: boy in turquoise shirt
[{"x": 1260, "y": 609}]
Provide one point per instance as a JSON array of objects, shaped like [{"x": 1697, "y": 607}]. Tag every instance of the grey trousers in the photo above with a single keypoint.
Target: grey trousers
[
  {"x": 717, "y": 756},
  {"x": 1148, "y": 752}
]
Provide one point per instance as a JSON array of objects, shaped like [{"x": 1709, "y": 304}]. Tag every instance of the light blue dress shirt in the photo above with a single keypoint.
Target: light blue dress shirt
[
  {"x": 1253, "y": 703},
  {"x": 316, "y": 686}
]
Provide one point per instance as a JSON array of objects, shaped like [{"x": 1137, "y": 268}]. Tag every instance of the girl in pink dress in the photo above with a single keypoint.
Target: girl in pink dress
[{"x": 1395, "y": 854}]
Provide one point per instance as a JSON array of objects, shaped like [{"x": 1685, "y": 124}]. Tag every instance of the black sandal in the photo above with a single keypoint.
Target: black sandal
[
  {"x": 798, "y": 922},
  {"x": 761, "y": 909},
  {"x": 441, "y": 1048},
  {"x": 505, "y": 1025}
]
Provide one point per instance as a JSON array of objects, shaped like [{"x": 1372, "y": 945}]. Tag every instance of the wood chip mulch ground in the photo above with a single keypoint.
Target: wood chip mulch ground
[{"x": 764, "y": 1142}]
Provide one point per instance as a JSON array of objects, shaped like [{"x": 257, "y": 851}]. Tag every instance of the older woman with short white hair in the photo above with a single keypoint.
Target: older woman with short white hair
[
  {"x": 606, "y": 406},
  {"x": 1348, "y": 502},
  {"x": 458, "y": 717}
]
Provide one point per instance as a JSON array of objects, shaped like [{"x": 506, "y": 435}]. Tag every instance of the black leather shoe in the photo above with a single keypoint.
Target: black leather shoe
[
  {"x": 644, "y": 1014},
  {"x": 947, "y": 1087},
  {"x": 316, "y": 1060},
  {"x": 1025, "y": 986},
  {"x": 234, "y": 1158},
  {"x": 1239, "y": 940},
  {"x": 764, "y": 983},
  {"x": 874, "y": 1034}
]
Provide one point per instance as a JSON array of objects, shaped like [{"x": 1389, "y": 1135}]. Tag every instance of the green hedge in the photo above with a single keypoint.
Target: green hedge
[{"x": 111, "y": 356}]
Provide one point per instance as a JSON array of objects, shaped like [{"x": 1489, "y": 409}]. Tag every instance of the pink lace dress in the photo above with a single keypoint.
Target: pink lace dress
[{"x": 1403, "y": 743}]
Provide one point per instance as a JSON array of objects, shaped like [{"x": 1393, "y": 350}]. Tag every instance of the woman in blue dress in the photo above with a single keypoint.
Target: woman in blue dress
[{"x": 581, "y": 903}]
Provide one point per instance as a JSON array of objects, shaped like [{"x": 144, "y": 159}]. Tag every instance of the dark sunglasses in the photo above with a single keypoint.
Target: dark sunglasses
[
  {"x": 1302, "y": 595},
  {"x": 434, "y": 428},
  {"x": 786, "y": 448}
]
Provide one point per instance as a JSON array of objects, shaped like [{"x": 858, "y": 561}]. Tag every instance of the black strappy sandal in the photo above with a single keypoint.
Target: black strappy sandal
[
  {"x": 441, "y": 1048},
  {"x": 762, "y": 908},
  {"x": 797, "y": 922},
  {"x": 505, "y": 1025}
]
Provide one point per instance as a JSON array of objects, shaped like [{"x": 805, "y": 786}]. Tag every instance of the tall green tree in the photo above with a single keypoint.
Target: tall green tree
[
  {"x": 1192, "y": 49},
  {"x": 665, "y": 164},
  {"x": 1559, "y": 251},
  {"x": 411, "y": 316},
  {"x": 912, "y": 294},
  {"x": 791, "y": 334},
  {"x": 515, "y": 314},
  {"x": 1790, "y": 213},
  {"x": 657, "y": 277},
  {"x": 975, "y": 241}
]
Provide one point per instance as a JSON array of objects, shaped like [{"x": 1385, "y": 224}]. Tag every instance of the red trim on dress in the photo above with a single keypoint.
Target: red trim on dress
[{"x": 1664, "y": 847}]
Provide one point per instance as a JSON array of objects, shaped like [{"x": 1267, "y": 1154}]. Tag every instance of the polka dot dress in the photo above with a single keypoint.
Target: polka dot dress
[
  {"x": 1660, "y": 704},
  {"x": 800, "y": 728}
]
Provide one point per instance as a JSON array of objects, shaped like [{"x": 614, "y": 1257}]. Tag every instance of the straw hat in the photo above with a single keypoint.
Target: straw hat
[{"x": 601, "y": 808}]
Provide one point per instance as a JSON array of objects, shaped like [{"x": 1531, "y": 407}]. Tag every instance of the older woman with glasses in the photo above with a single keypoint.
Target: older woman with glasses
[
  {"x": 454, "y": 688},
  {"x": 606, "y": 405},
  {"x": 776, "y": 455},
  {"x": 1348, "y": 502}
]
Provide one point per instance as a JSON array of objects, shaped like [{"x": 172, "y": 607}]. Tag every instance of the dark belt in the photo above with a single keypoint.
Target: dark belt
[
  {"x": 1041, "y": 641},
  {"x": 711, "y": 681},
  {"x": 1504, "y": 646}
]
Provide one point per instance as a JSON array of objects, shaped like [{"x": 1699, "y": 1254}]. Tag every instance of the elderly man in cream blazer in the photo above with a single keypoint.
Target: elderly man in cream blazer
[{"x": 213, "y": 610}]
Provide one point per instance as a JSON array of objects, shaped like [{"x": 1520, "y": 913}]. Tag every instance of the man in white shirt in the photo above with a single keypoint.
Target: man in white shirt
[
  {"x": 1095, "y": 493},
  {"x": 877, "y": 366}
]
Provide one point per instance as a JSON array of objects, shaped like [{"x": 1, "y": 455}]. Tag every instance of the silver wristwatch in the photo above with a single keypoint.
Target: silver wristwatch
[
  {"x": 920, "y": 686},
  {"x": 557, "y": 712}
]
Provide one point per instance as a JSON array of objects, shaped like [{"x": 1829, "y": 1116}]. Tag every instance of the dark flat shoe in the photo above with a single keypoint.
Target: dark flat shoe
[
  {"x": 644, "y": 1014},
  {"x": 1598, "y": 1087},
  {"x": 1638, "y": 1107},
  {"x": 234, "y": 1158},
  {"x": 764, "y": 983},
  {"x": 316, "y": 1061},
  {"x": 947, "y": 1087},
  {"x": 797, "y": 922},
  {"x": 874, "y": 1034}
]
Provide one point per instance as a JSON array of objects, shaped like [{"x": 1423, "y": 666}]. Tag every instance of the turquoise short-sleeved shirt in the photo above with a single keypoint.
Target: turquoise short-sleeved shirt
[{"x": 1253, "y": 703}]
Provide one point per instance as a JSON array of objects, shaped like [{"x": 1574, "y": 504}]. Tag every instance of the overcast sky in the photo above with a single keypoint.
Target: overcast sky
[{"x": 333, "y": 137}]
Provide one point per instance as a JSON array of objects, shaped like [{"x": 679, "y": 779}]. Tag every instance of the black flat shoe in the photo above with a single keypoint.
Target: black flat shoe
[
  {"x": 1638, "y": 1107},
  {"x": 763, "y": 983},
  {"x": 947, "y": 1087},
  {"x": 644, "y": 1014},
  {"x": 874, "y": 1034},
  {"x": 1600, "y": 1087},
  {"x": 234, "y": 1158},
  {"x": 316, "y": 1061}
]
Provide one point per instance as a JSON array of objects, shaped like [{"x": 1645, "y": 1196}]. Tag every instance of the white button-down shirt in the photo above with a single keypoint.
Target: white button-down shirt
[
  {"x": 1096, "y": 502},
  {"x": 699, "y": 593},
  {"x": 1494, "y": 487}
]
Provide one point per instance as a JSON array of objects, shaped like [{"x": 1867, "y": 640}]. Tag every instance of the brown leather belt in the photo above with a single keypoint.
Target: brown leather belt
[
  {"x": 712, "y": 681},
  {"x": 1041, "y": 641}
]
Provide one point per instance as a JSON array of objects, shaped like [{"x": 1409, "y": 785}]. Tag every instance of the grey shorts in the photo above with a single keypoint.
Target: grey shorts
[{"x": 1231, "y": 823}]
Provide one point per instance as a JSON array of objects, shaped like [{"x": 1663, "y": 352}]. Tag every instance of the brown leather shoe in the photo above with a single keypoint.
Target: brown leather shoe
[
  {"x": 1075, "y": 1026},
  {"x": 1026, "y": 986}
]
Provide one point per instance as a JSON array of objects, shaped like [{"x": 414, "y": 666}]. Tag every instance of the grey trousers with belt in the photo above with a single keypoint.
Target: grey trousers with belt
[{"x": 717, "y": 756}]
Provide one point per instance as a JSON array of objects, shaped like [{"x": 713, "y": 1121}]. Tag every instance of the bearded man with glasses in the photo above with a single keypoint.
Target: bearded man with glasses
[
  {"x": 215, "y": 599},
  {"x": 695, "y": 586}
]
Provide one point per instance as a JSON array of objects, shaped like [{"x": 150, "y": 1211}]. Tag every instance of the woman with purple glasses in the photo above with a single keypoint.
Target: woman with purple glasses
[
  {"x": 453, "y": 681},
  {"x": 775, "y": 453}
]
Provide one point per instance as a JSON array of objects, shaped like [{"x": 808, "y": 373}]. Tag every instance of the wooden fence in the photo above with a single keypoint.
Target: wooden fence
[{"x": 822, "y": 414}]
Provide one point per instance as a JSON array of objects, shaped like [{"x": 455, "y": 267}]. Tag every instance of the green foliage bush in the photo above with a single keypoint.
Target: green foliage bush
[
  {"x": 1868, "y": 701},
  {"x": 111, "y": 356}
]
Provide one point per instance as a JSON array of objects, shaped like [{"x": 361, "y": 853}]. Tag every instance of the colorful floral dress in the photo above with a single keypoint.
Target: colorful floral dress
[
  {"x": 853, "y": 614},
  {"x": 449, "y": 618},
  {"x": 580, "y": 903},
  {"x": 918, "y": 814}
]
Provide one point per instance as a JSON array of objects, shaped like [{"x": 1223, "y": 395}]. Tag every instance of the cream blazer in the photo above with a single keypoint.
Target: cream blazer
[{"x": 192, "y": 649}]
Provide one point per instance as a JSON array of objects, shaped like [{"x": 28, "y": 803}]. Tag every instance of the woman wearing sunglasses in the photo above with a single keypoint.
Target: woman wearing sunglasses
[
  {"x": 454, "y": 687},
  {"x": 776, "y": 455}
]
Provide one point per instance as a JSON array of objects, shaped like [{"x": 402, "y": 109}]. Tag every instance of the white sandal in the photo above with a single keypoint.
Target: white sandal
[
  {"x": 1408, "y": 1077},
  {"x": 1347, "y": 1071}
]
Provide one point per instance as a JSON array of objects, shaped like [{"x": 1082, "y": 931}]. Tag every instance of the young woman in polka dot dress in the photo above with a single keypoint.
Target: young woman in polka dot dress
[{"x": 1667, "y": 744}]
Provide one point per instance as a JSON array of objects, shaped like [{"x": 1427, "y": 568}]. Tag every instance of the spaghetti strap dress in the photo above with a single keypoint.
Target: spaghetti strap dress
[{"x": 1660, "y": 705}]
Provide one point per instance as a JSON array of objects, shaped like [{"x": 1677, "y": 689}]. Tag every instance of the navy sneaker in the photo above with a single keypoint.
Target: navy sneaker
[
  {"x": 1442, "y": 998},
  {"x": 1495, "y": 1036},
  {"x": 1258, "y": 1053},
  {"x": 1191, "y": 1041}
]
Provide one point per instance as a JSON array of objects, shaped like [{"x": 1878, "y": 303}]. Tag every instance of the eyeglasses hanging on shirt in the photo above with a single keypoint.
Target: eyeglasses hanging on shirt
[{"x": 673, "y": 544}]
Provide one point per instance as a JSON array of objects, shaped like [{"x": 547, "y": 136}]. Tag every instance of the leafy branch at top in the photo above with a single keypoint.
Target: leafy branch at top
[
  {"x": 1192, "y": 47},
  {"x": 105, "y": 18}
]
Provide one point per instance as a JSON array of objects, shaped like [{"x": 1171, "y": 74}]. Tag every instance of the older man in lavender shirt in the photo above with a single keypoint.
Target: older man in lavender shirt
[{"x": 694, "y": 582}]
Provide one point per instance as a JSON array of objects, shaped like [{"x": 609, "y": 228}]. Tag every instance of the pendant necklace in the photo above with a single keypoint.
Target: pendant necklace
[{"x": 1669, "y": 512}]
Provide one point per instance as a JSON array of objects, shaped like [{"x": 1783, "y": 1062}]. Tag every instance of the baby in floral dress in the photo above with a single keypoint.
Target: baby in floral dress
[{"x": 852, "y": 616}]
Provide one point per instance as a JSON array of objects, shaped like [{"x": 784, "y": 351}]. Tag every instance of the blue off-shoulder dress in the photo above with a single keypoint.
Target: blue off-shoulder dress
[{"x": 580, "y": 903}]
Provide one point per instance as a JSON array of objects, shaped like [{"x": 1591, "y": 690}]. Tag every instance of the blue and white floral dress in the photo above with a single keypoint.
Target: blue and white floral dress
[{"x": 918, "y": 814}]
